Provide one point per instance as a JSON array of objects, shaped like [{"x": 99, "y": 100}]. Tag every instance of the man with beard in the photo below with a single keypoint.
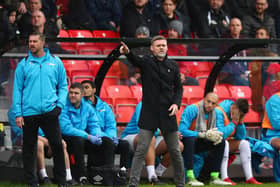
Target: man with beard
[
  {"x": 40, "y": 91},
  {"x": 162, "y": 94}
]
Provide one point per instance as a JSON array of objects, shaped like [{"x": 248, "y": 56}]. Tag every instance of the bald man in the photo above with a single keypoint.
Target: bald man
[
  {"x": 38, "y": 21},
  {"x": 199, "y": 132}
]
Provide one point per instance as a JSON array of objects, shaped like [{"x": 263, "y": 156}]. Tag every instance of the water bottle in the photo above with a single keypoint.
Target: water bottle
[{"x": 8, "y": 138}]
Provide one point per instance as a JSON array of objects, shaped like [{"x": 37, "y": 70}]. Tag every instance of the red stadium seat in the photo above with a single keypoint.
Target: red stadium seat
[
  {"x": 94, "y": 66},
  {"x": 240, "y": 92},
  {"x": 63, "y": 33},
  {"x": 89, "y": 50},
  {"x": 124, "y": 112},
  {"x": 193, "y": 93},
  {"x": 115, "y": 69},
  {"x": 137, "y": 92},
  {"x": 106, "y": 47},
  {"x": 202, "y": 81},
  {"x": 222, "y": 91},
  {"x": 252, "y": 117},
  {"x": 66, "y": 45},
  {"x": 124, "y": 102},
  {"x": 81, "y": 34},
  {"x": 104, "y": 34},
  {"x": 110, "y": 81},
  {"x": 103, "y": 93},
  {"x": 119, "y": 91},
  {"x": 75, "y": 65},
  {"x": 81, "y": 75},
  {"x": 202, "y": 69}
]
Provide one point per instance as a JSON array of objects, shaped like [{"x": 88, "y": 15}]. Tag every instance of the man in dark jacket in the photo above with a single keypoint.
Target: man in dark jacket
[
  {"x": 134, "y": 15},
  {"x": 214, "y": 21},
  {"x": 162, "y": 94},
  {"x": 105, "y": 13},
  {"x": 257, "y": 19}
]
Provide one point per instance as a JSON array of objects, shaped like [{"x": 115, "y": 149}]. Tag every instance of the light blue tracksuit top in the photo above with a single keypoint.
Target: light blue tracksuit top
[
  {"x": 81, "y": 122},
  {"x": 39, "y": 86},
  {"x": 106, "y": 118},
  {"x": 187, "y": 118},
  {"x": 272, "y": 107},
  {"x": 240, "y": 129}
]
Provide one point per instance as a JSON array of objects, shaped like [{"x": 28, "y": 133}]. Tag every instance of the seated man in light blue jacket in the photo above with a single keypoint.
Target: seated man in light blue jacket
[
  {"x": 107, "y": 122},
  {"x": 200, "y": 135},
  {"x": 81, "y": 131},
  {"x": 271, "y": 121},
  {"x": 230, "y": 117}
]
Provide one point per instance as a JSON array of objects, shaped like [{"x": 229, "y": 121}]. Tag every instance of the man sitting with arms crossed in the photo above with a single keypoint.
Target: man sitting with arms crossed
[
  {"x": 230, "y": 117},
  {"x": 198, "y": 128}
]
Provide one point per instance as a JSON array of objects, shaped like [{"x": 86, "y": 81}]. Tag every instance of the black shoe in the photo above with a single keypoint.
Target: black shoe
[
  {"x": 156, "y": 181},
  {"x": 64, "y": 185},
  {"x": 46, "y": 181},
  {"x": 33, "y": 185},
  {"x": 72, "y": 182}
]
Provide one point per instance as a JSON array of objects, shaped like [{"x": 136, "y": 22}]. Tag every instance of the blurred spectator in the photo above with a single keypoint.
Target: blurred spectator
[
  {"x": 77, "y": 16},
  {"x": 168, "y": 14},
  {"x": 25, "y": 20},
  {"x": 12, "y": 24},
  {"x": 40, "y": 24},
  {"x": 238, "y": 8},
  {"x": 174, "y": 32},
  {"x": 50, "y": 10},
  {"x": 3, "y": 26},
  {"x": 214, "y": 21},
  {"x": 273, "y": 83},
  {"x": 188, "y": 80},
  {"x": 133, "y": 72},
  {"x": 135, "y": 14},
  {"x": 258, "y": 71},
  {"x": 263, "y": 33},
  {"x": 234, "y": 73},
  {"x": 105, "y": 13},
  {"x": 257, "y": 19}
]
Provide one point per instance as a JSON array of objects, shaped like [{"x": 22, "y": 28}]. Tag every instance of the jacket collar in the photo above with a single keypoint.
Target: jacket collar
[{"x": 39, "y": 59}]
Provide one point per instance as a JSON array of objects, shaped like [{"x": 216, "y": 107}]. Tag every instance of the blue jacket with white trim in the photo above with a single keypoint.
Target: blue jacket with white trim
[
  {"x": 39, "y": 86},
  {"x": 81, "y": 122},
  {"x": 107, "y": 122}
]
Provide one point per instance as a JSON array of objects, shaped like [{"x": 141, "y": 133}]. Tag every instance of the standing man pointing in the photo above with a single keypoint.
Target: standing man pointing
[
  {"x": 40, "y": 92},
  {"x": 162, "y": 93}
]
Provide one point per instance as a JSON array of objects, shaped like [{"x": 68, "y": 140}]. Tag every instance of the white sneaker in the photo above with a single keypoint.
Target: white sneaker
[
  {"x": 218, "y": 181},
  {"x": 195, "y": 182}
]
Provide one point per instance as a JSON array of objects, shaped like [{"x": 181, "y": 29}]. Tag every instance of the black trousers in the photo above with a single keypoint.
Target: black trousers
[
  {"x": 48, "y": 122},
  {"x": 98, "y": 155},
  {"x": 197, "y": 145},
  {"x": 125, "y": 153}
]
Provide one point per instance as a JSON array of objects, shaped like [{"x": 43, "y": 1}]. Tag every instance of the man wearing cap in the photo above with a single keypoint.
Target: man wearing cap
[{"x": 162, "y": 94}]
